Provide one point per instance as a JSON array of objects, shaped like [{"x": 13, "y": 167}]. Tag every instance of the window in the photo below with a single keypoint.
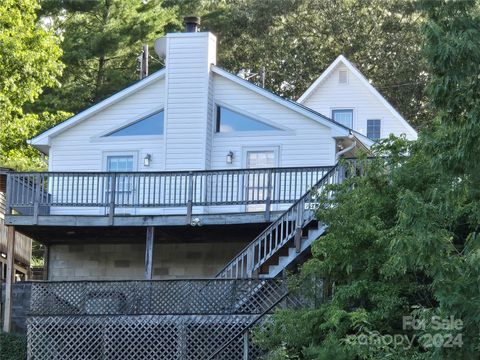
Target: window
[
  {"x": 120, "y": 163},
  {"x": 343, "y": 116},
  {"x": 230, "y": 121},
  {"x": 373, "y": 129},
  {"x": 150, "y": 125},
  {"x": 342, "y": 77},
  {"x": 124, "y": 182}
]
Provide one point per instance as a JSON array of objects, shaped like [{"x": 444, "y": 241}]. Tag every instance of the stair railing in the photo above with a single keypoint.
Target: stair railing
[
  {"x": 246, "y": 330},
  {"x": 289, "y": 225}
]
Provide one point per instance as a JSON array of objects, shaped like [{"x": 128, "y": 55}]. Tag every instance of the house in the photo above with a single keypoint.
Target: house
[
  {"x": 191, "y": 173},
  {"x": 344, "y": 94}
]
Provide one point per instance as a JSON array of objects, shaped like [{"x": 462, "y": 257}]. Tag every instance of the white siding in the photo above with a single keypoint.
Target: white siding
[
  {"x": 187, "y": 82},
  {"x": 81, "y": 148},
  {"x": 330, "y": 95},
  {"x": 304, "y": 143}
]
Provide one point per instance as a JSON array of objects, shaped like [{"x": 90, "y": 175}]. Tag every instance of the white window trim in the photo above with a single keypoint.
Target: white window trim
[
  {"x": 133, "y": 153},
  {"x": 354, "y": 113},
  {"x": 102, "y": 136},
  {"x": 275, "y": 148},
  {"x": 246, "y": 149},
  {"x": 282, "y": 130},
  {"x": 338, "y": 78}
]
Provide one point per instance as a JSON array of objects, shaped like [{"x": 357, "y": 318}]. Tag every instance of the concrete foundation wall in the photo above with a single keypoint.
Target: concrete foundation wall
[
  {"x": 20, "y": 305},
  {"x": 126, "y": 261}
]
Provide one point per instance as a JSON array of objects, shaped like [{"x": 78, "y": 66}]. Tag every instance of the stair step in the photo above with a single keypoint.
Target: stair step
[{"x": 284, "y": 261}]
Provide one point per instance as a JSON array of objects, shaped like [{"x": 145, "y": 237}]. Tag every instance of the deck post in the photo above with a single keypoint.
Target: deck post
[
  {"x": 8, "y": 209},
  {"x": 7, "y": 318},
  {"x": 268, "y": 200},
  {"x": 111, "y": 211},
  {"x": 245, "y": 345},
  {"x": 250, "y": 264},
  {"x": 36, "y": 203},
  {"x": 298, "y": 227},
  {"x": 46, "y": 258},
  {"x": 149, "y": 253},
  {"x": 190, "y": 198}
]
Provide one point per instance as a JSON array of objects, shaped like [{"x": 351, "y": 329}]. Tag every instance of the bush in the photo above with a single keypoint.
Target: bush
[{"x": 13, "y": 346}]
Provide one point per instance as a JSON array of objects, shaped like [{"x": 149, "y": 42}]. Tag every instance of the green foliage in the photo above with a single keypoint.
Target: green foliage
[
  {"x": 101, "y": 43},
  {"x": 297, "y": 39},
  {"x": 403, "y": 239},
  {"x": 28, "y": 62},
  {"x": 16, "y": 154},
  {"x": 12, "y": 346}
]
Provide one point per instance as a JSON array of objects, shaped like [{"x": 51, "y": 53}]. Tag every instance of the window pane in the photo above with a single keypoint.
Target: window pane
[
  {"x": 373, "y": 129},
  {"x": 120, "y": 163},
  {"x": 229, "y": 121},
  {"x": 344, "y": 117},
  {"x": 151, "y": 125}
]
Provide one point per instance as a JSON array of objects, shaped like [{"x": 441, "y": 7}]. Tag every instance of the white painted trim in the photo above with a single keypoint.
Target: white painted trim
[
  {"x": 107, "y": 153},
  {"x": 354, "y": 113},
  {"x": 265, "y": 148},
  {"x": 144, "y": 115},
  {"x": 135, "y": 155},
  {"x": 364, "y": 81},
  {"x": 44, "y": 138},
  {"x": 337, "y": 129},
  {"x": 249, "y": 114}
]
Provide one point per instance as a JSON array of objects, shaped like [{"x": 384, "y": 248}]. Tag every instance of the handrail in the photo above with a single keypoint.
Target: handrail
[
  {"x": 36, "y": 193},
  {"x": 166, "y": 172},
  {"x": 249, "y": 326},
  {"x": 288, "y": 225}
]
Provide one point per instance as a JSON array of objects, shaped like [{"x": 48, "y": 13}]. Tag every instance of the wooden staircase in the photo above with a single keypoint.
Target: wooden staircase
[
  {"x": 287, "y": 239},
  {"x": 289, "y": 254}
]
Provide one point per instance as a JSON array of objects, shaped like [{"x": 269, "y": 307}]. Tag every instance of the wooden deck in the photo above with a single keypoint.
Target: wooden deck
[
  {"x": 212, "y": 197},
  {"x": 142, "y": 220}
]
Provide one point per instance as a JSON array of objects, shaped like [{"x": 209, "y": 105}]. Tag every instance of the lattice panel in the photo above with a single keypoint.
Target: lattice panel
[
  {"x": 182, "y": 320},
  {"x": 137, "y": 337},
  {"x": 182, "y": 297}
]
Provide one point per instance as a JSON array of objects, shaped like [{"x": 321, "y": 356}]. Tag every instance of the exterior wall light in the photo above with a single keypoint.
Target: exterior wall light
[
  {"x": 229, "y": 157},
  {"x": 147, "y": 159}
]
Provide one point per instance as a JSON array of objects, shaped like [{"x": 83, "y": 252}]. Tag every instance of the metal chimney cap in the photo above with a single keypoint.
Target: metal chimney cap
[{"x": 192, "y": 23}]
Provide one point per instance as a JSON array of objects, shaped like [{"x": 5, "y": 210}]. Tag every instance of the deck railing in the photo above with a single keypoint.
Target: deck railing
[
  {"x": 37, "y": 193},
  {"x": 287, "y": 227}
]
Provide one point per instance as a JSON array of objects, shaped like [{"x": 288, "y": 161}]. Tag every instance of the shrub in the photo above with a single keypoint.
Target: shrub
[{"x": 13, "y": 346}]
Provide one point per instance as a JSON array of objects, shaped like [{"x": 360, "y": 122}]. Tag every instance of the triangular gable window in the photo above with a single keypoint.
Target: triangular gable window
[
  {"x": 150, "y": 125},
  {"x": 231, "y": 121}
]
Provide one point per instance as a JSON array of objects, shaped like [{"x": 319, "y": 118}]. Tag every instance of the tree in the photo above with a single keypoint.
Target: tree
[
  {"x": 28, "y": 62},
  {"x": 403, "y": 239},
  {"x": 295, "y": 40},
  {"x": 101, "y": 43}
]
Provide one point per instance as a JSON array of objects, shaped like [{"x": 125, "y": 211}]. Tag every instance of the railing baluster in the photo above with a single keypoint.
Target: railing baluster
[
  {"x": 36, "y": 204},
  {"x": 190, "y": 198},
  {"x": 268, "y": 200},
  {"x": 113, "y": 185}
]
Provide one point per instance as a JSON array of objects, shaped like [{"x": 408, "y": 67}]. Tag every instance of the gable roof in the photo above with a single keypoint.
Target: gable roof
[
  {"x": 339, "y": 129},
  {"x": 343, "y": 60},
  {"x": 42, "y": 141}
]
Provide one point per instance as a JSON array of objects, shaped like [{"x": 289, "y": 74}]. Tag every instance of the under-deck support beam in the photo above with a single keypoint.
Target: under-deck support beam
[
  {"x": 7, "y": 318},
  {"x": 149, "y": 252},
  {"x": 46, "y": 261}
]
